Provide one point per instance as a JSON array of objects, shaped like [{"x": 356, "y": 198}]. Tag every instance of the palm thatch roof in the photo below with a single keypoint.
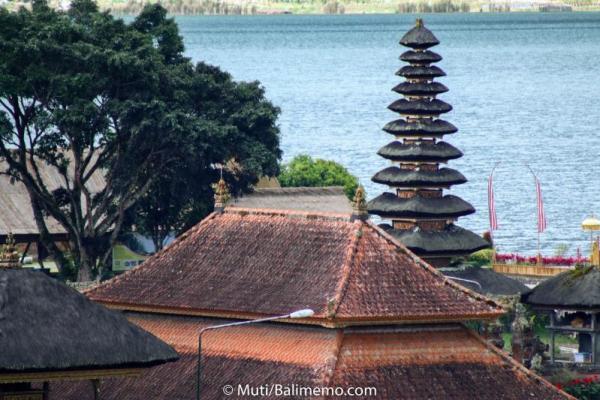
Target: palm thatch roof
[
  {"x": 492, "y": 283},
  {"x": 578, "y": 289},
  {"x": 47, "y": 326}
]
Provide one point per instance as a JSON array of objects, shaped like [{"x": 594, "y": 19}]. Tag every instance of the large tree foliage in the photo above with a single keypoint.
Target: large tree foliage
[
  {"x": 303, "y": 170},
  {"x": 84, "y": 93}
]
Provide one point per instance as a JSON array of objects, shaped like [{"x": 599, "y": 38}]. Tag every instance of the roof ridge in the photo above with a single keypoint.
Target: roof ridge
[
  {"x": 327, "y": 376},
  {"x": 516, "y": 365},
  {"x": 419, "y": 261},
  {"x": 346, "y": 271},
  {"x": 157, "y": 255},
  {"x": 288, "y": 213}
]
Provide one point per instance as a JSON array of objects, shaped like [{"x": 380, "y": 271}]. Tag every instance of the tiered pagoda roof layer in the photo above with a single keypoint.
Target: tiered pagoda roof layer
[
  {"x": 422, "y": 216},
  {"x": 413, "y": 362},
  {"x": 250, "y": 262}
]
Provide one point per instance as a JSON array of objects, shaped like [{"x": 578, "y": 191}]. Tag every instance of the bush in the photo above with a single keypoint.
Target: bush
[
  {"x": 587, "y": 388},
  {"x": 303, "y": 170}
]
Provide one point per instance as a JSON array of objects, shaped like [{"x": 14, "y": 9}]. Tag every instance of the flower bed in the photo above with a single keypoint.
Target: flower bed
[
  {"x": 587, "y": 388},
  {"x": 513, "y": 258}
]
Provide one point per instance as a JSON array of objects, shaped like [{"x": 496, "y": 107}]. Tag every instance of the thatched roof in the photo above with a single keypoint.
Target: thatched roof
[
  {"x": 579, "y": 288},
  {"x": 452, "y": 240},
  {"x": 398, "y": 177},
  {"x": 420, "y": 107},
  {"x": 423, "y": 127},
  {"x": 388, "y": 205},
  {"x": 420, "y": 89},
  {"x": 419, "y": 37},
  {"x": 325, "y": 199},
  {"x": 16, "y": 215},
  {"x": 492, "y": 283},
  {"x": 423, "y": 151},
  {"x": 419, "y": 71},
  {"x": 47, "y": 326},
  {"x": 420, "y": 57}
]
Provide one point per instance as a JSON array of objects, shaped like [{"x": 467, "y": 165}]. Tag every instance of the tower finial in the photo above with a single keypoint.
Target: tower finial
[
  {"x": 419, "y": 23},
  {"x": 221, "y": 194},
  {"x": 9, "y": 257},
  {"x": 359, "y": 205}
]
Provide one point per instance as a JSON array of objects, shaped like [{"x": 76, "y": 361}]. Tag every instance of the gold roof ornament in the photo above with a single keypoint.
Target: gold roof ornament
[
  {"x": 359, "y": 205},
  {"x": 9, "y": 256},
  {"x": 221, "y": 195},
  {"x": 591, "y": 224}
]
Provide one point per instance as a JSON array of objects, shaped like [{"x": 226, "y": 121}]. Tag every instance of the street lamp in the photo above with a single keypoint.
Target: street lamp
[{"x": 294, "y": 315}]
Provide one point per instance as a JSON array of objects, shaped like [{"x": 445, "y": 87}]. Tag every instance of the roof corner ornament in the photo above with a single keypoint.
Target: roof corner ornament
[
  {"x": 419, "y": 23},
  {"x": 9, "y": 256},
  {"x": 359, "y": 205},
  {"x": 221, "y": 195}
]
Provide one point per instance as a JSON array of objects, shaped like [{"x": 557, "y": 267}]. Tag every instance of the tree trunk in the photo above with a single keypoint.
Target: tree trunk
[
  {"x": 47, "y": 240},
  {"x": 86, "y": 263}
]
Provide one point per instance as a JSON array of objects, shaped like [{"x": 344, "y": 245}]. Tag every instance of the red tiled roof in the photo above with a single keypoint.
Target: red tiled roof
[
  {"x": 419, "y": 362},
  {"x": 263, "y": 262}
]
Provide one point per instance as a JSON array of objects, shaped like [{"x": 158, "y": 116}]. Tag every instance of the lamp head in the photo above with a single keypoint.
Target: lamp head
[{"x": 302, "y": 313}]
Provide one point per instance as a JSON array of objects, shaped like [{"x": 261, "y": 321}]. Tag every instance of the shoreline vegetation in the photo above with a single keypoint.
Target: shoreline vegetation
[{"x": 269, "y": 7}]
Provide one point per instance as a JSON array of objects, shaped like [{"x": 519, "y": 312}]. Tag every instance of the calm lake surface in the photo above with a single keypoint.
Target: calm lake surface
[{"x": 525, "y": 90}]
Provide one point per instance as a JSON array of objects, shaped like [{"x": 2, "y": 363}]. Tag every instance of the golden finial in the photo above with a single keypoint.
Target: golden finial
[
  {"x": 221, "y": 195},
  {"x": 419, "y": 23},
  {"x": 359, "y": 204},
  {"x": 9, "y": 257}
]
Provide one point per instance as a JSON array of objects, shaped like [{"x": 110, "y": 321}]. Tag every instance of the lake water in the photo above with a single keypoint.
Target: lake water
[{"x": 525, "y": 90}]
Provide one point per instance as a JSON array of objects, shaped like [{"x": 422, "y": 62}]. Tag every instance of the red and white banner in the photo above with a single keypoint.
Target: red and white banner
[
  {"x": 540, "y": 206},
  {"x": 491, "y": 204}
]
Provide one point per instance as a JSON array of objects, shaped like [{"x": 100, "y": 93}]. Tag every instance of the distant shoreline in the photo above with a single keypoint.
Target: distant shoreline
[{"x": 331, "y": 7}]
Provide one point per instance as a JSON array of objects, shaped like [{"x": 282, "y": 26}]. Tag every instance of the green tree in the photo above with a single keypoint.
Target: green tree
[
  {"x": 84, "y": 93},
  {"x": 303, "y": 170}
]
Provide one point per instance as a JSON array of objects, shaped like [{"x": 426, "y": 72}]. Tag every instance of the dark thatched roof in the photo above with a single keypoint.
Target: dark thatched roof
[
  {"x": 492, "y": 283},
  {"x": 452, "y": 240},
  {"x": 423, "y": 127},
  {"x": 423, "y": 151},
  {"x": 418, "y": 71},
  {"x": 47, "y": 326},
  {"x": 419, "y": 37},
  {"x": 420, "y": 107},
  {"x": 388, "y": 205},
  {"x": 420, "y": 57},
  {"x": 579, "y": 288},
  {"x": 397, "y": 177},
  {"x": 420, "y": 89}
]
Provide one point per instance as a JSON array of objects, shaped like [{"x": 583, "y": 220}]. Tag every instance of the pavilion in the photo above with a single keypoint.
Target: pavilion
[{"x": 572, "y": 300}]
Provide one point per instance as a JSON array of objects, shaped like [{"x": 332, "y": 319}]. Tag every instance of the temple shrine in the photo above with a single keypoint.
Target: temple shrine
[{"x": 422, "y": 216}]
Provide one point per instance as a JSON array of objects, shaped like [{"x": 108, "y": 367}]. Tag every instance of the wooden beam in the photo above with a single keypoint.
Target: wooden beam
[{"x": 50, "y": 376}]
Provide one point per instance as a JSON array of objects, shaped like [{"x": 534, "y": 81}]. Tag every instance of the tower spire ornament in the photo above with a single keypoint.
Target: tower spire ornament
[
  {"x": 221, "y": 194},
  {"x": 422, "y": 216},
  {"x": 359, "y": 205},
  {"x": 9, "y": 257}
]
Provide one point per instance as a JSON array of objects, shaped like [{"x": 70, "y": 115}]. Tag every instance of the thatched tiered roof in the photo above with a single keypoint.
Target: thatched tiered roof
[{"x": 422, "y": 216}]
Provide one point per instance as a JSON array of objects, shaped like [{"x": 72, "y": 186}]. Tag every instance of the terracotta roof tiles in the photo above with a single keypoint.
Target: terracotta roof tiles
[
  {"x": 417, "y": 362},
  {"x": 262, "y": 262}
]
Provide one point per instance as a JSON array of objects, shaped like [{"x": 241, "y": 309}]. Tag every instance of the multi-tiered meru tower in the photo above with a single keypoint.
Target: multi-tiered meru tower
[{"x": 422, "y": 216}]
